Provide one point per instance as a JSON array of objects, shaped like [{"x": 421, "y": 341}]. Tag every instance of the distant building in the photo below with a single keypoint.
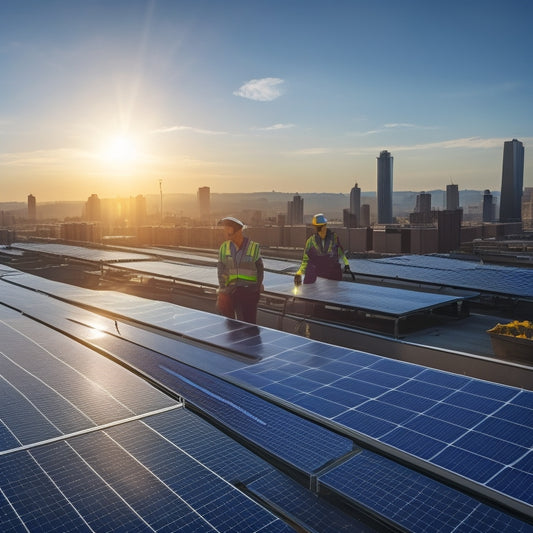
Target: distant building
[
  {"x": 138, "y": 215},
  {"x": 423, "y": 202},
  {"x": 512, "y": 181},
  {"x": 32, "y": 207},
  {"x": 349, "y": 219},
  {"x": 365, "y": 216},
  {"x": 355, "y": 205},
  {"x": 422, "y": 213},
  {"x": 527, "y": 207},
  {"x": 204, "y": 203},
  {"x": 295, "y": 211},
  {"x": 452, "y": 197},
  {"x": 384, "y": 187},
  {"x": 449, "y": 229},
  {"x": 488, "y": 206},
  {"x": 93, "y": 208}
]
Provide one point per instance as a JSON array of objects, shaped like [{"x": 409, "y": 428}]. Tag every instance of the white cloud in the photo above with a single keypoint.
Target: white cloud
[
  {"x": 171, "y": 129},
  {"x": 399, "y": 125},
  {"x": 278, "y": 126},
  {"x": 260, "y": 90}
]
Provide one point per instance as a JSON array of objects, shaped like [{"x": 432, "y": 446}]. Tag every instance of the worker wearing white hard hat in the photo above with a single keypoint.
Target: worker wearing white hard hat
[{"x": 240, "y": 272}]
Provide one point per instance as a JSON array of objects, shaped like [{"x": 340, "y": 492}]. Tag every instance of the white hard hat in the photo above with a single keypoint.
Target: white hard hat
[{"x": 231, "y": 221}]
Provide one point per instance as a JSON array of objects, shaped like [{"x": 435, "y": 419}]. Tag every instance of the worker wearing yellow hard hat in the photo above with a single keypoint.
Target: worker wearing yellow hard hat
[{"x": 322, "y": 253}]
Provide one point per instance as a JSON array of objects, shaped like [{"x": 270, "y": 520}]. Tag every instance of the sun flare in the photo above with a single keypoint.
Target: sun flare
[{"x": 120, "y": 150}]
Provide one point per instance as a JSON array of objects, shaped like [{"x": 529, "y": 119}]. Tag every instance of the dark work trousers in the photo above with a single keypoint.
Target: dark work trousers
[
  {"x": 322, "y": 266},
  {"x": 240, "y": 303}
]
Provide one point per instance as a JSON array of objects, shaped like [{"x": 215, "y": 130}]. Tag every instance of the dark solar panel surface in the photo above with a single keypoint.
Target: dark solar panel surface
[
  {"x": 386, "y": 300},
  {"x": 88, "y": 446},
  {"x": 511, "y": 281},
  {"x": 81, "y": 252},
  {"x": 410, "y": 500},
  {"x": 440, "y": 418}
]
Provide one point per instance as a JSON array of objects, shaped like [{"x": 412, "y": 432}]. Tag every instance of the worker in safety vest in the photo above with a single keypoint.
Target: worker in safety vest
[
  {"x": 240, "y": 273},
  {"x": 322, "y": 253}
]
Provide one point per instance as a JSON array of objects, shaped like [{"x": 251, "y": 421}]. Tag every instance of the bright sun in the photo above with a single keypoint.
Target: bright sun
[{"x": 120, "y": 150}]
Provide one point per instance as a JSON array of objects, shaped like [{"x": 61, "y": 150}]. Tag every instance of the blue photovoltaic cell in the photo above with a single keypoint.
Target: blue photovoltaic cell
[
  {"x": 409, "y": 499},
  {"x": 467, "y": 464},
  {"x": 511, "y": 281},
  {"x": 212, "y": 448},
  {"x": 303, "y": 506},
  {"x": 36, "y": 500}
]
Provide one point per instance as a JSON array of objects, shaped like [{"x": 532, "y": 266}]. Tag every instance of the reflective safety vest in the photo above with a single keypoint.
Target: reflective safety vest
[
  {"x": 239, "y": 270},
  {"x": 324, "y": 253}
]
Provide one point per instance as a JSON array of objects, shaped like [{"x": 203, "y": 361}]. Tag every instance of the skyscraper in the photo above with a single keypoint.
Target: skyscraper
[
  {"x": 204, "y": 203},
  {"x": 32, "y": 207},
  {"x": 512, "y": 181},
  {"x": 295, "y": 211},
  {"x": 488, "y": 206},
  {"x": 452, "y": 197},
  {"x": 355, "y": 204},
  {"x": 384, "y": 188}
]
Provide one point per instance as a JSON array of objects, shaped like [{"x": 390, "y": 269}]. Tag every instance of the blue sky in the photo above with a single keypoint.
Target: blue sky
[{"x": 109, "y": 97}]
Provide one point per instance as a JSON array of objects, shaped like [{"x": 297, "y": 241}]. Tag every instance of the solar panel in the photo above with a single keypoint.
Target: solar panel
[
  {"x": 81, "y": 252},
  {"x": 385, "y": 300},
  {"x": 412, "y": 501},
  {"x": 96, "y": 448},
  {"x": 510, "y": 281}
]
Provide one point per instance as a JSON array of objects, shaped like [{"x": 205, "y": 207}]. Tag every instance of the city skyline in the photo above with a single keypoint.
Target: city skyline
[{"x": 113, "y": 97}]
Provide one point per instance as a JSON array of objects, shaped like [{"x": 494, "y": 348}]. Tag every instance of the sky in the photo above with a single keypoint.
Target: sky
[{"x": 128, "y": 97}]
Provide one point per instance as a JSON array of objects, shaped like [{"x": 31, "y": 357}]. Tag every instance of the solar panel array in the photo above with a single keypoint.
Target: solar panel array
[
  {"x": 86, "y": 445},
  {"x": 509, "y": 281},
  {"x": 81, "y": 252},
  {"x": 441, "y": 421},
  {"x": 383, "y": 300}
]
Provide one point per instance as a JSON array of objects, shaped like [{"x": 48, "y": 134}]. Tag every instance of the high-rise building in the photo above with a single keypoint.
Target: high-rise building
[
  {"x": 488, "y": 206},
  {"x": 355, "y": 205},
  {"x": 512, "y": 181},
  {"x": 423, "y": 202},
  {"x": 204, "y": 203},
  {"x": 295, "y": 211},
  {"x": 93, "y": 208},
  {"x": 32, "y": 207},
  {"x": 384, "y": 187},
  {"x": 422, "y": 213},
  {"x": 452, "y": 197}
]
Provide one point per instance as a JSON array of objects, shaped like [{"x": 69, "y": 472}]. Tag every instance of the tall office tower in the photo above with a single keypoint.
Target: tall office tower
[
  {"x": 423, "y": 202},
  {"x": 384, "y": 189},
  {"x": 32, "y": 207},
  {"x": 488, "y": 206},
  {"x": 93, "y": 208},
  {"x": 512, "y": 181},
  {"x": 452, "y": 197},
  {"x": 295, "y": 211},
  {"x": 204, "y": 203},
  {"x": 355, "y": 204}
]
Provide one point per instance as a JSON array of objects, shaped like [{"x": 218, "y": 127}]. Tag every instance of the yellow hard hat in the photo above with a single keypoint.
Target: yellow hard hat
[{"x": 319, "y": 220}]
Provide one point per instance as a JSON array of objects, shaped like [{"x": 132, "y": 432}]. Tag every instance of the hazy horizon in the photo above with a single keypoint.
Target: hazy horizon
[{"x": 112, "y": 97}]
